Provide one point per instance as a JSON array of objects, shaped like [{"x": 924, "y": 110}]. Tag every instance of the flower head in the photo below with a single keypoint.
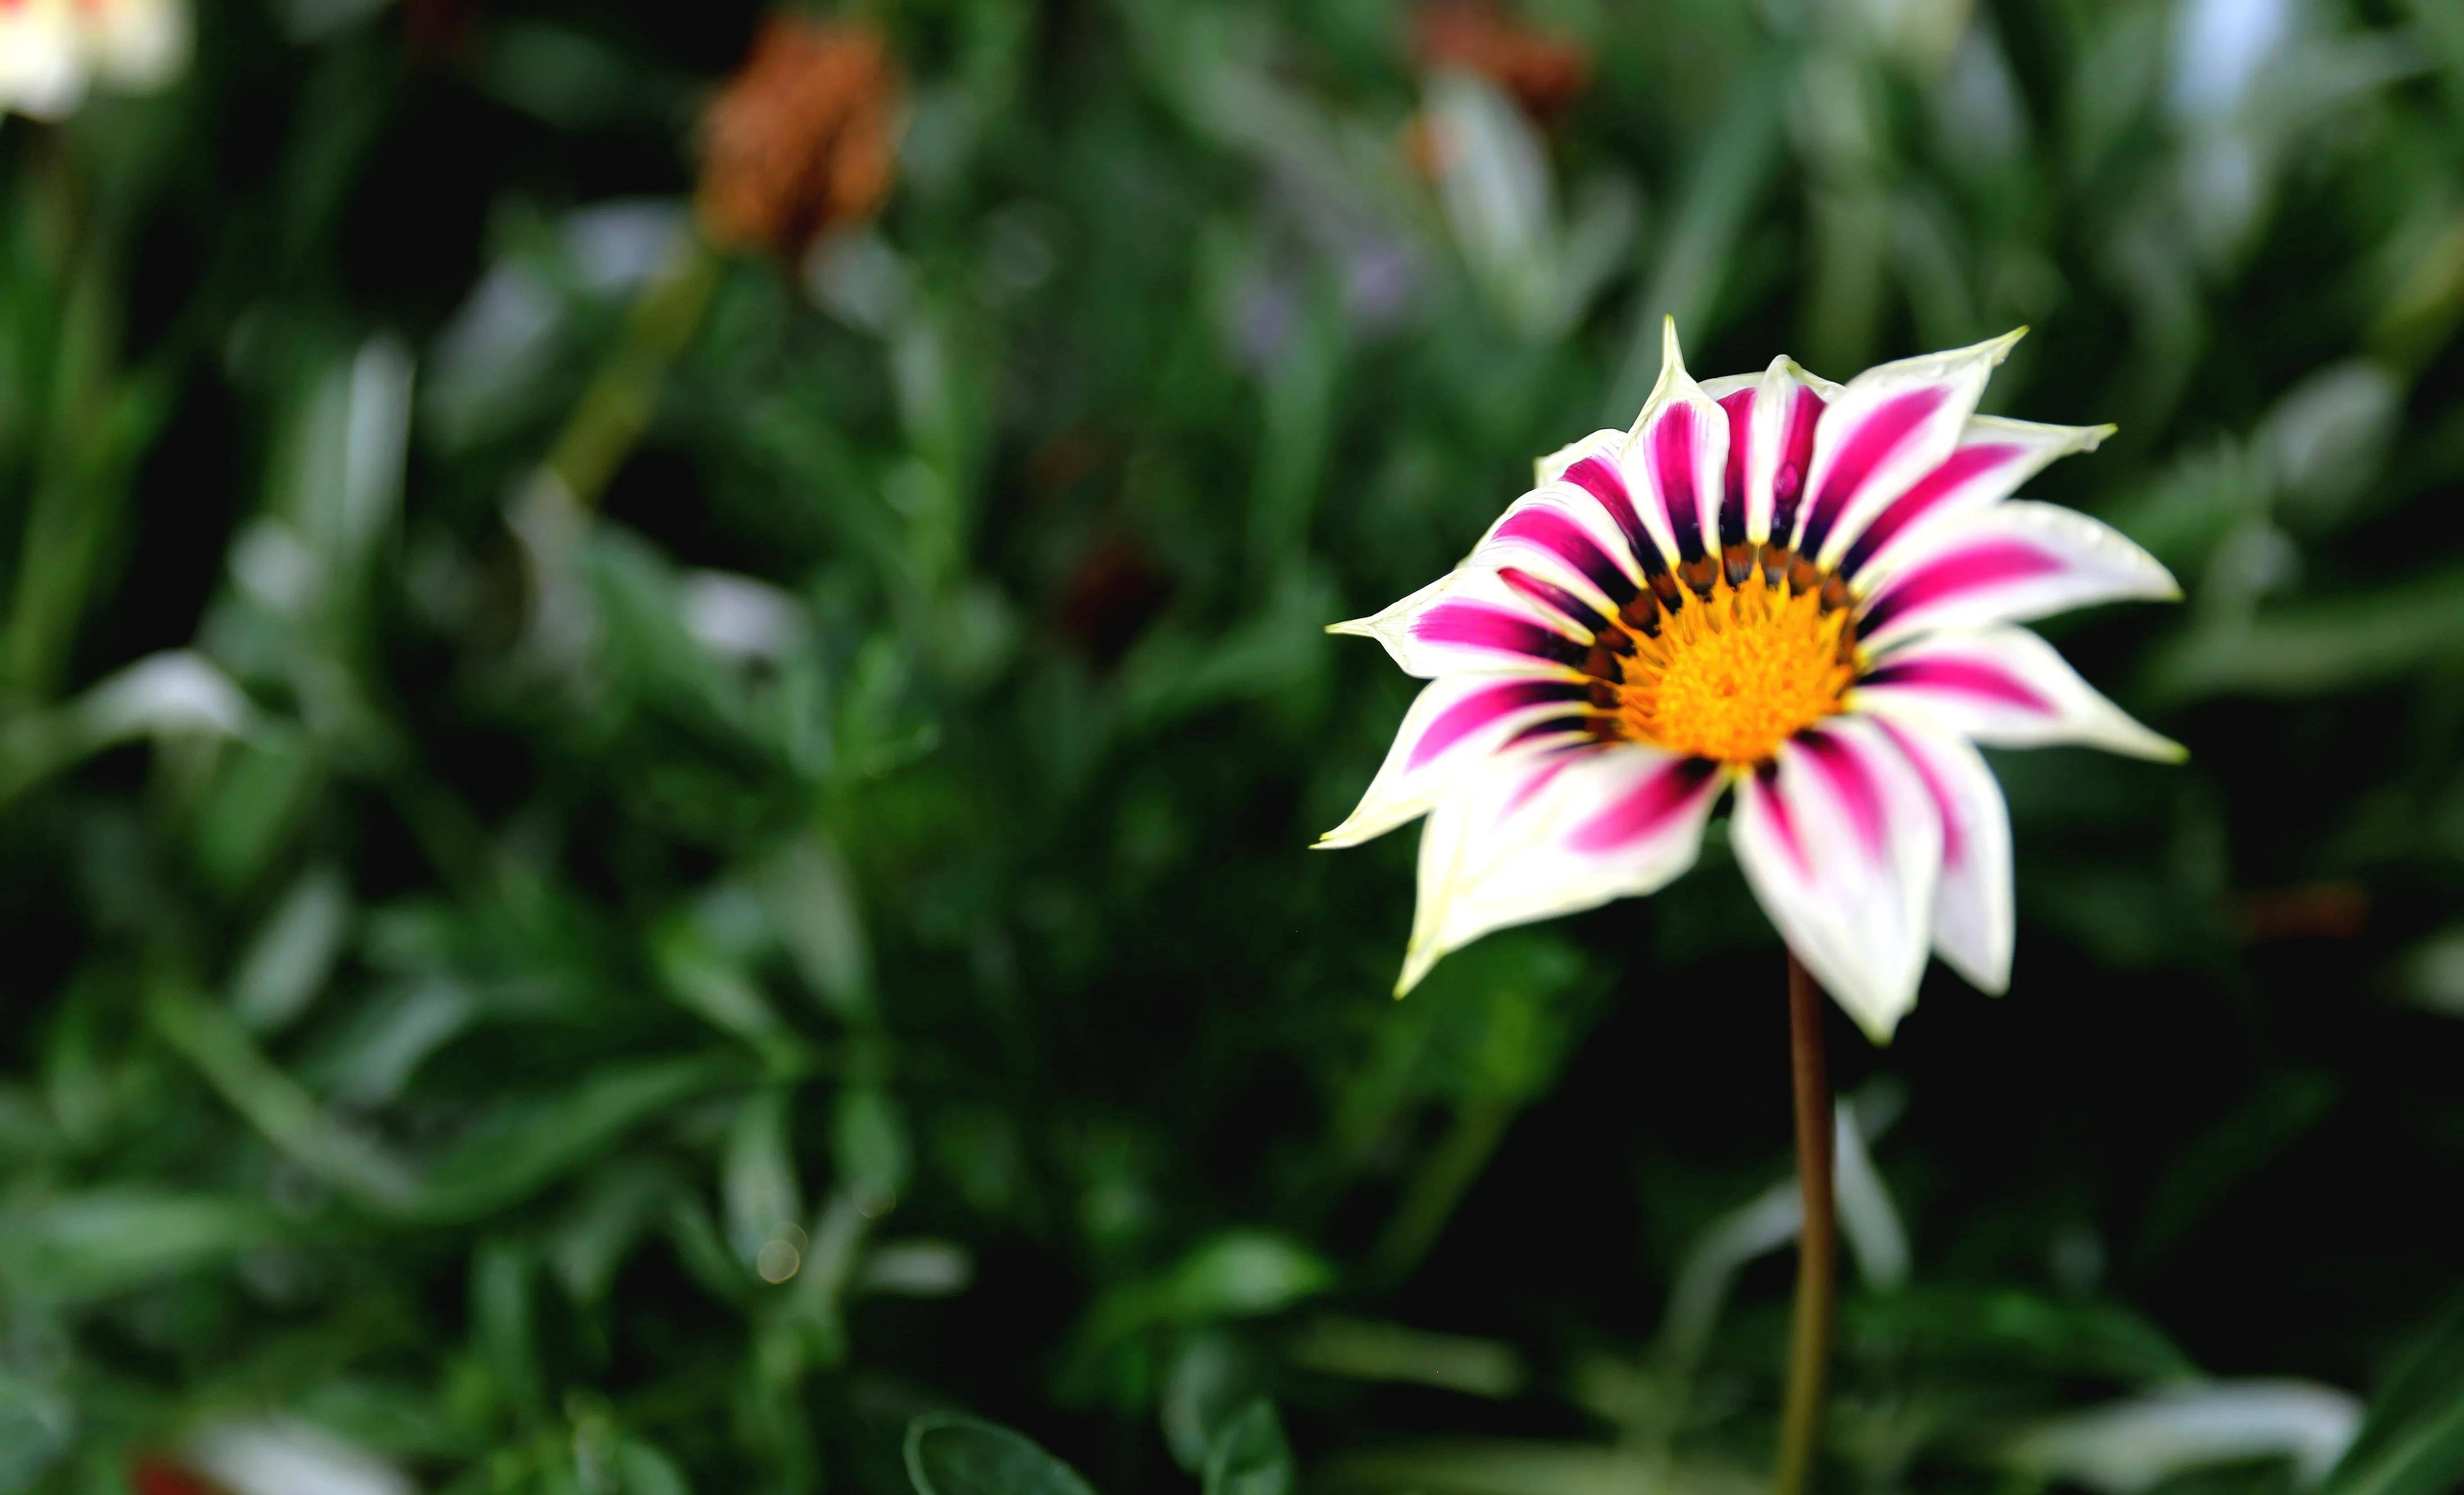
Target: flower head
[
  {"x": 51, "y": 50},
  {"x": 1798, "y": 593},
  {"x": 802, "y": 139}
]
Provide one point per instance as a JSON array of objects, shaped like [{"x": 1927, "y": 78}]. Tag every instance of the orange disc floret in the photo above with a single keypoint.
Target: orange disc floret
[
  {"x": 802, "y": 139},
  {"x": 1733, "y": 673}
]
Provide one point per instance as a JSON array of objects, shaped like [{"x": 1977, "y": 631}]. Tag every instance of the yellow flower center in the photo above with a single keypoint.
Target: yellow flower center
[{"x": 1731, "y": 673}]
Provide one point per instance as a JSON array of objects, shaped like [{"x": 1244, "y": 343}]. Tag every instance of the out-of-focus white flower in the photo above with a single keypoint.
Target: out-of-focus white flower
[
  {"x": 282, "y": 1457},
  {"x": 737, "y": 617},
  {"x": 1799, "y": 593},
  {"x": 2128, "y": 1446},
  {"x": 178, "y": 692},
  {"x": 2220, "y": 48},
  {"x": 51, "y": 50}
]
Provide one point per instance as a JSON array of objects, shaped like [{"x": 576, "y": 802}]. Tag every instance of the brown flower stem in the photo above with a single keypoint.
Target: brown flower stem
[
  {"x": 616, "y": 408},
  {"x": 1809, "y": 1346}
]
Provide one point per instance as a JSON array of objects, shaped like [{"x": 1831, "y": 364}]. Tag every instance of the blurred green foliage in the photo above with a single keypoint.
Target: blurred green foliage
[{"x": 709, "y": 984}]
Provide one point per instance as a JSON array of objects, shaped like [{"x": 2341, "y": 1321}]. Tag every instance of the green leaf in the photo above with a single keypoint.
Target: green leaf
[
  {"x": 645, "y": 1470},
  {"x": 948, "y": 1454},
  {"x": 1213, "y": 1375},
  {"x": 210, "y": 1038},
  {"x": 2412, "y": 1440},
  {"x": 2325, "y": 648},
  {"x": 759, "y": 1184},
  {"x": 110, "y": 1241},
  {"x": 1250, "y": 1455},
  {"x": 1242, "y": 1274},
  {"x": 36, "y": 1424},
  {"x": 524, "y": 1145},
  {"x": 2010, "y": 1328},
  {"x": 868, "y": 1143},
  {"x": 287, "y": 963}
]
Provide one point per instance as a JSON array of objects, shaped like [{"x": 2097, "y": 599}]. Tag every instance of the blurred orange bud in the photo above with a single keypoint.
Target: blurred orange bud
[
  {"x": 1112, "y": 596},
  {"x": 1546, "y": 74},
  {"x": 2337, "y": 908},
  {"x": 155, "y": 1474},
  {"x": 802, "y": 139}
]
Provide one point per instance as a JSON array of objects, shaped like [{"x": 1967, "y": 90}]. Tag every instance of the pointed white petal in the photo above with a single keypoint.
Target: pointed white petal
[
  {"x": 1843, "y": 848},
  {"x": 1994, "y": 457},
  {"x": 1888, "y": 428},
  {"x": 1551, "y": 834},
  {"x": 1973, "y": 920},
  {"x": 2008, "y": 564},
  {"x": 1457, "y": 726},
  {"x": 2002, "y": 687}
]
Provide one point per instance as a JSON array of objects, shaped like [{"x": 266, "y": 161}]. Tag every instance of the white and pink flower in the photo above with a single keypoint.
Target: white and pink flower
[
  {"x": 1798, "y": 592},
  {"x": 52, "y": 51}
]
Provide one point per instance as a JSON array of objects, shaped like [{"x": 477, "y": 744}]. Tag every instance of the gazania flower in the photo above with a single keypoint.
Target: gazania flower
[
  {"x": 1796, "y": 593},
  {"x": 802, "y": 141},
  {"x": 52, "y": 50}
]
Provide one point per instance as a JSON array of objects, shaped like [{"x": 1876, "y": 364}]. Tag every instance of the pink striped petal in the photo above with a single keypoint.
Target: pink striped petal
[
  {"x": 1890, "y": 427},
  {"x": 1773, "y": 417},
  {"x": 1474, "y": 620},
  {"x": 1569, "y": 604},
  {"x": 1842, "y": 842},
  {"x": 1458, "y": 724},
  {"x": 2008, "y": 564},
  {"x": 1563, "y": 534},
  {"x": 1623, "y": 497},
  {"x": 1551, "y": 833},
  {"x": 1994, "y": 457},
  {"x": 1552, "y": 467},
  {"x": 1680, "y": 448},
  {"x": 1972, "y": 922},
  {"x": 2001, "y": 687},
  {"x": 1594, "y": 485},
  {"x": 1480, "y": 628}
]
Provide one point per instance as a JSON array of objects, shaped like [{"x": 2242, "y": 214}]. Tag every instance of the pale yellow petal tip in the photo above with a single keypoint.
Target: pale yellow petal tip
[
  {"x": 1672, "y": 372},
  {"x": 1417, "y": 964},
  {"x": 2098, "y": 435},
  {"x": 1356, "y": 627},
  {"x": 1879, "y": 1033},
  {"x": 2148, "y": 747}
]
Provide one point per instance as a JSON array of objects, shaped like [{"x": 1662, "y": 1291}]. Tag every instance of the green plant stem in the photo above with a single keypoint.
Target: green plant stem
[
  {"x": 1809, "y": 1346},
  {"x": 617, "y": 408},
  {"x": 1449, "y": 1174}
]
